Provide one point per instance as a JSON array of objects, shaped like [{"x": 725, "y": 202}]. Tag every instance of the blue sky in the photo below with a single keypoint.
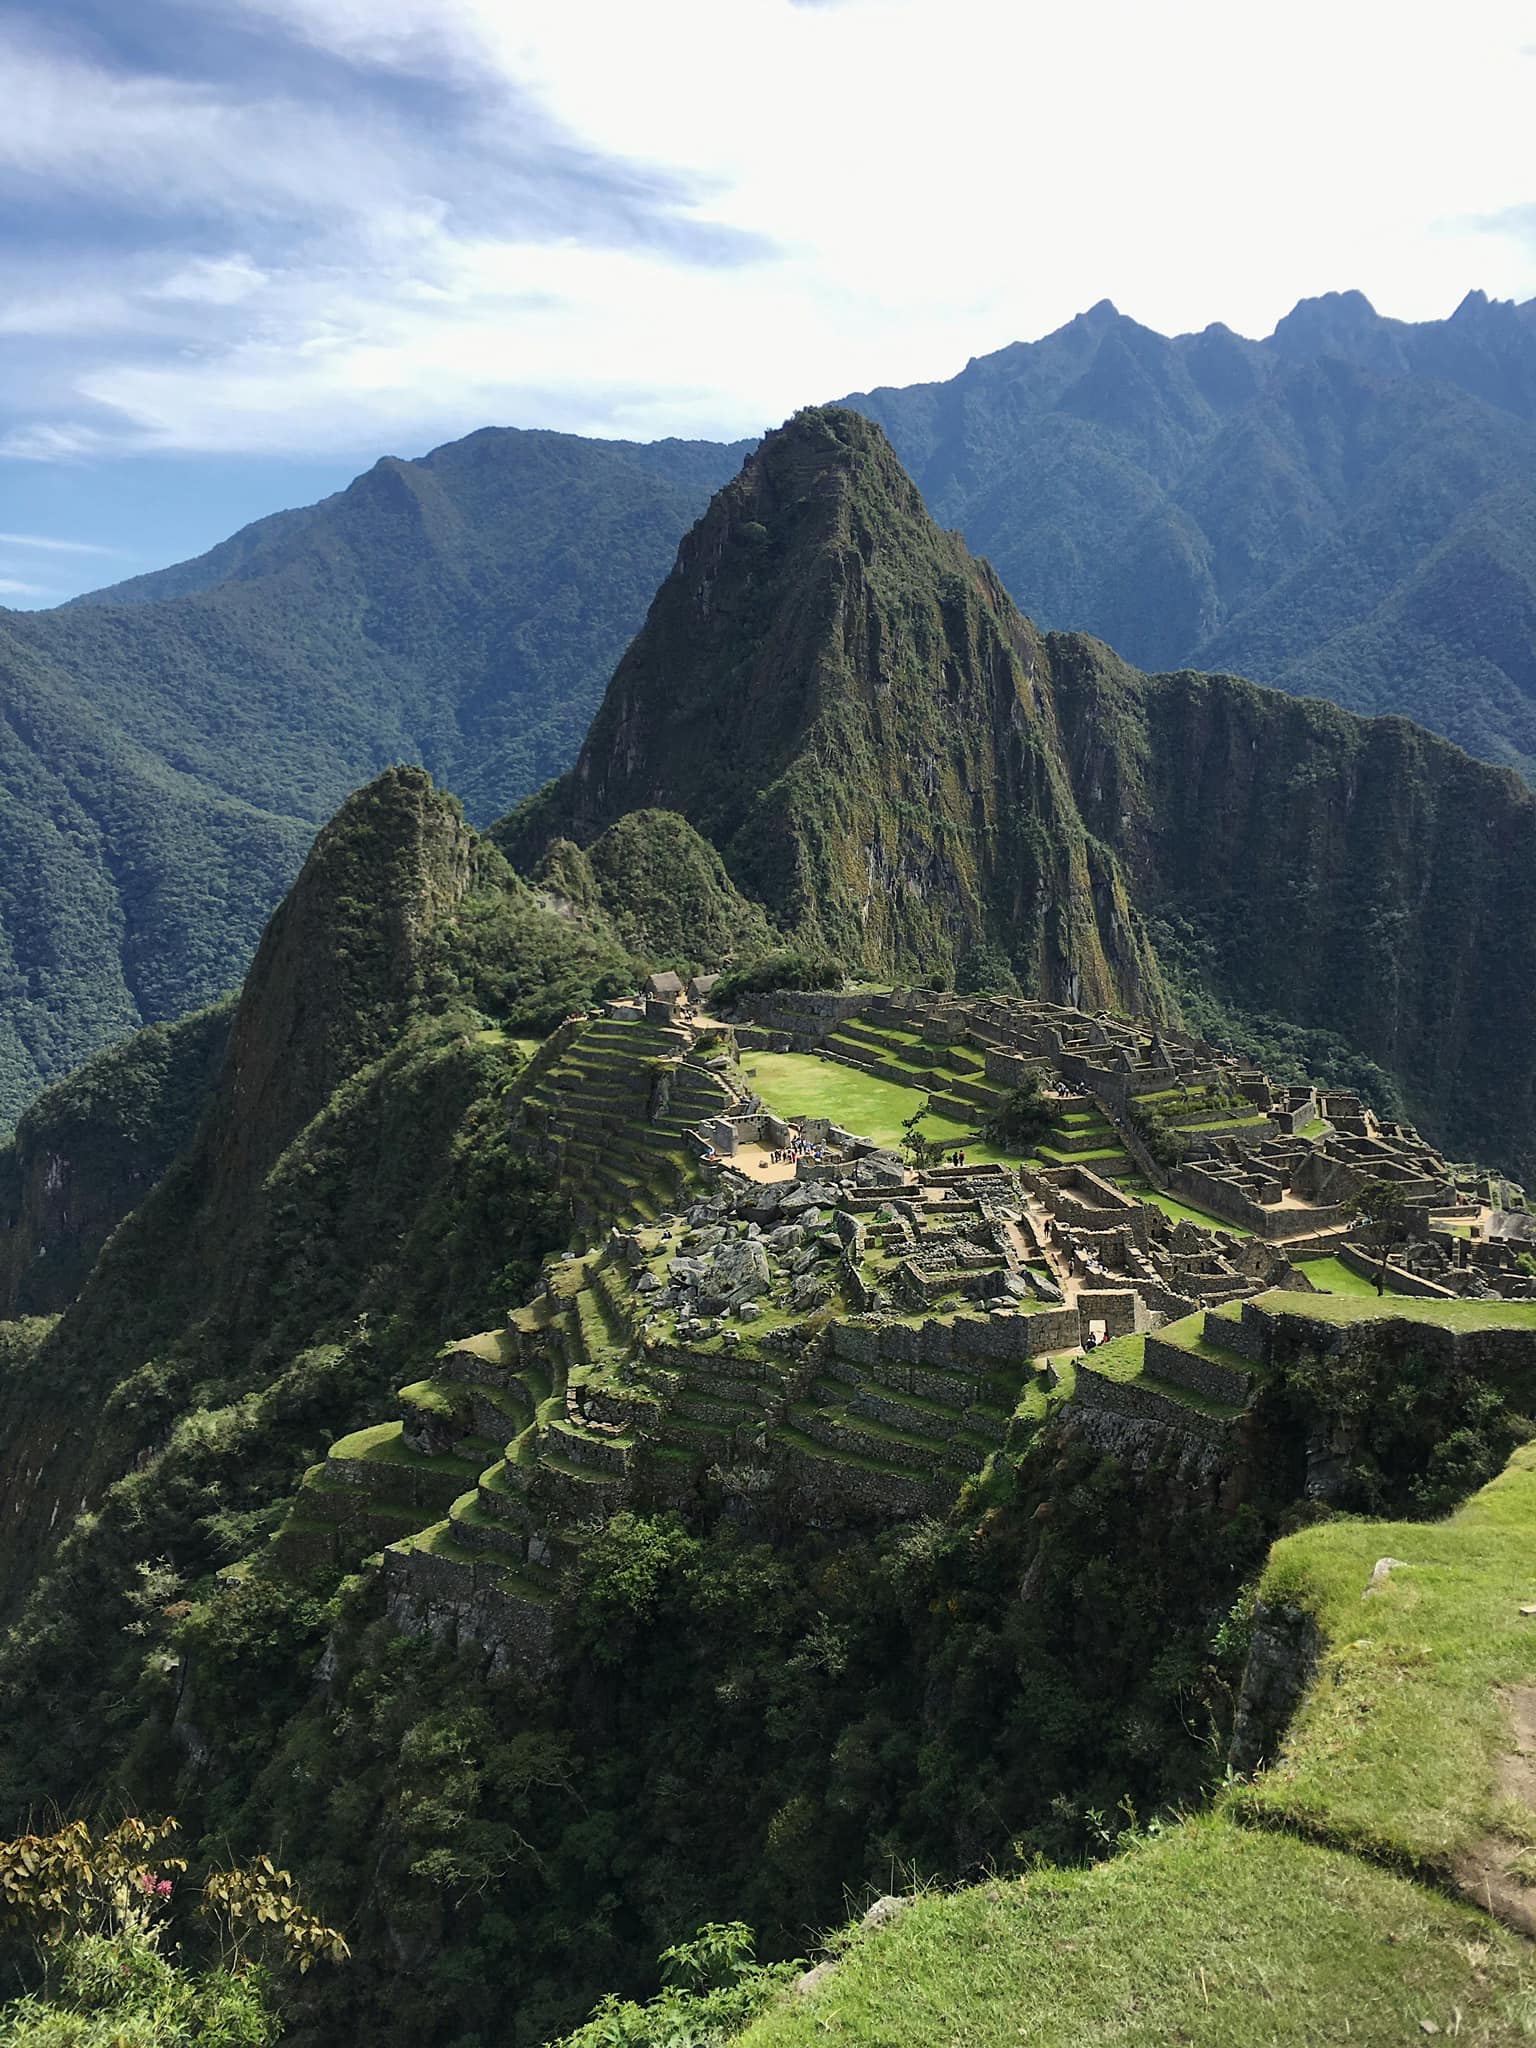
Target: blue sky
[{"x": 250, "y": 245}]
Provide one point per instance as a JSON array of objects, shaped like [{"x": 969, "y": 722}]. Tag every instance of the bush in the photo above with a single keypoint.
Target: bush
[
  {"x": 789, "y": 968},
  {"x": 1161, "y": 1138}
]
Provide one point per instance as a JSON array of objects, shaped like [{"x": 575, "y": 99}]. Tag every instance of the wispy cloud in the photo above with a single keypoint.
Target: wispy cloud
[
  {"x": 52, "y": 545},
  {"x": 250, "y": 226},
  {"x": 10, "y": 586}
]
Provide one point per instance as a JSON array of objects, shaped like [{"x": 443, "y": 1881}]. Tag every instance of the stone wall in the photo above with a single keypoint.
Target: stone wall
[
  {"x": 964, "y": 1343},
  {"x": 1399, "y": 1279},
  {"x": 1095, "y": 1390},
  {"x": 1114, "y": 1307},
  {"x": 1191, "y": 1183},
  {"x": 437, "y": 1596},
  {"x": 1204, "y": 1376}
]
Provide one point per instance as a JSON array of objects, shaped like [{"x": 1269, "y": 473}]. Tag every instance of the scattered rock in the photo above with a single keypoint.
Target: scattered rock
[
  {"x": 883, "y": 1912},
  {"x": 1385, "y": 1566},
  {"x": 749, "y": 1311}
]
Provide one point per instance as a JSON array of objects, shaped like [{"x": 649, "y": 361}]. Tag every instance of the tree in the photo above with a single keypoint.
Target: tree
[
  {"x": 986, "y": 970},
  {"x": 920, "y": 1150},
  {"x": 1382, "y": 1209},
  {"x": 1022, "y": 1118},
  {"x": 120, "y": 1943},
  {"x": 1162, "y": 1139}
]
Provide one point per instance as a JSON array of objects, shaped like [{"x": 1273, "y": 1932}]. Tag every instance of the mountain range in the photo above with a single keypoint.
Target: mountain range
[
  {"x": 1346, "y": 509},
  {"x": 237, "y": 1252}
]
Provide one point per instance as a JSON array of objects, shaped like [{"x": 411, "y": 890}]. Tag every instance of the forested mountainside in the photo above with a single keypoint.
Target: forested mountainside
[
  {"x": 883, "y": 1593},
  {"x": 1346, "y": 509},
  {"x": 169, "y": 747},
  {"x": 888, "y": 755}
]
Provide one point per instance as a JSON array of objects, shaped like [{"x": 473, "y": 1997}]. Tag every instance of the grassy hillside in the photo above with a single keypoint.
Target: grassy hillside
[{"x": 1317, "y": 1892}]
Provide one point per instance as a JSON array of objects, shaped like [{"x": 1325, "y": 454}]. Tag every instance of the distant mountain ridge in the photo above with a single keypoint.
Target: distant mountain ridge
[{"x": 1346, "y": 509}]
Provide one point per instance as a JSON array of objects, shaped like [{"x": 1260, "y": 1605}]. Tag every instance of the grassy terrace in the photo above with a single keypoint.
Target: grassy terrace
[
  {"x": 1394, "y": 1748},
  {"x": 1445, "y": 1315},
  {"x": 1123, "y": 1359},
  {"x": 1208, "y": 1934},
  {"x": 1335, "y": 1277}
]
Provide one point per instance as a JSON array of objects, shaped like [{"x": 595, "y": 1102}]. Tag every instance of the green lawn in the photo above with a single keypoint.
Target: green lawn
[
  {"x": 1207, "y": 1934},
  {"x": 800, "y": 1084},
  {"x": 1334, "y": 1277}
]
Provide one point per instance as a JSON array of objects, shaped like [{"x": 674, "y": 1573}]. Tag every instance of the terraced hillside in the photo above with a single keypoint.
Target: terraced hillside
[{"x": 611, "y": 1103}]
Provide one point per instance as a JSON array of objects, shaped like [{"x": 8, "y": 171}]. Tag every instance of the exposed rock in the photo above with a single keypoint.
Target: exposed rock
[
  {"x": 811, "y": 1978},
  {"x": 883, "y": 1912},
  {"x": 1282, "y": 1657},
  {"x": 1384, "y": 1568}
]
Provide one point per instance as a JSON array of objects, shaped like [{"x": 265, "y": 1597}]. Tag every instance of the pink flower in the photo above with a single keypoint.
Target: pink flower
[{"x": 163, "y": 1888}]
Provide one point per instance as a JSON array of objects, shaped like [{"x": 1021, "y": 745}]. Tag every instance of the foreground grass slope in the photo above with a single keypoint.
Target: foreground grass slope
[
  {"x": 1207, "y": 1934},
  {"x": 1315, "y": 1904}
]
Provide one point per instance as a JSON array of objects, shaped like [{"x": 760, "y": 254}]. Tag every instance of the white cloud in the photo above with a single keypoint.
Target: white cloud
[
  {"x": 920, "y": 184},
  {"x": 53, "y": 546},
  {"x": 11, "y": 587}
]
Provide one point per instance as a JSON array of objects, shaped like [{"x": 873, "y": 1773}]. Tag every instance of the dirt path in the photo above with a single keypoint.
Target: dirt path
[{"x": 1489, "y": 1871}]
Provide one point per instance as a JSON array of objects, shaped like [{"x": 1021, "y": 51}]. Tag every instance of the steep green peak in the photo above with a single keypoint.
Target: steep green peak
[
  {"x": 841, "y": 699},
  {"x": 338, "y": 969}
]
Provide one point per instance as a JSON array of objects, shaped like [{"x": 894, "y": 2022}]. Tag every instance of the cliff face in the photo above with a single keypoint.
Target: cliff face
[
  {"x": 91, "y": 1148},
  {"x": 1357, "y": 875},
  {"x": 844, "y": 701},
  {"x": 895, "y": 762}
]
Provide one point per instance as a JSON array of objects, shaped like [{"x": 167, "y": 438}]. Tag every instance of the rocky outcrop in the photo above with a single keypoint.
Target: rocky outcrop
[{"x": 1282, "y": 1659}]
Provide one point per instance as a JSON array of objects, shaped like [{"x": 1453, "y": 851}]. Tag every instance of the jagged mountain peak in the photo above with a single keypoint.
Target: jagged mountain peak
[{"x": 843, "y": 700}]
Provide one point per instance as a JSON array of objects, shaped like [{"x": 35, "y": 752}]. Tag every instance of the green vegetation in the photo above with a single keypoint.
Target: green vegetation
[
  {"x": 1203, "y": 1933},
  {"x": 1022, "y": 1118},
  {"x": 783, "y": 968},
  {"x": 1394, "y": 1749},
  {"x": 171, "y": 746}
]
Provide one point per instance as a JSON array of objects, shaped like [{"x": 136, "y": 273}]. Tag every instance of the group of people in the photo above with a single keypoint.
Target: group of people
[
  {"x": 955, "y": 1159},
  {"x": 795, "y": 1151}
]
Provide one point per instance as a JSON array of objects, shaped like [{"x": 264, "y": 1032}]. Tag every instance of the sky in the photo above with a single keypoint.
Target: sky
[{"x": 251, "y": 245}]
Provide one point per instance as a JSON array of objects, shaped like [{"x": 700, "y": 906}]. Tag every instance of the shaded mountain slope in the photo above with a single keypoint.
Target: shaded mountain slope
[
  {"x": 1358, "y": 876},
  {"x": 169, "y": 748},
  {"x": 90, "y": 1149}
]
